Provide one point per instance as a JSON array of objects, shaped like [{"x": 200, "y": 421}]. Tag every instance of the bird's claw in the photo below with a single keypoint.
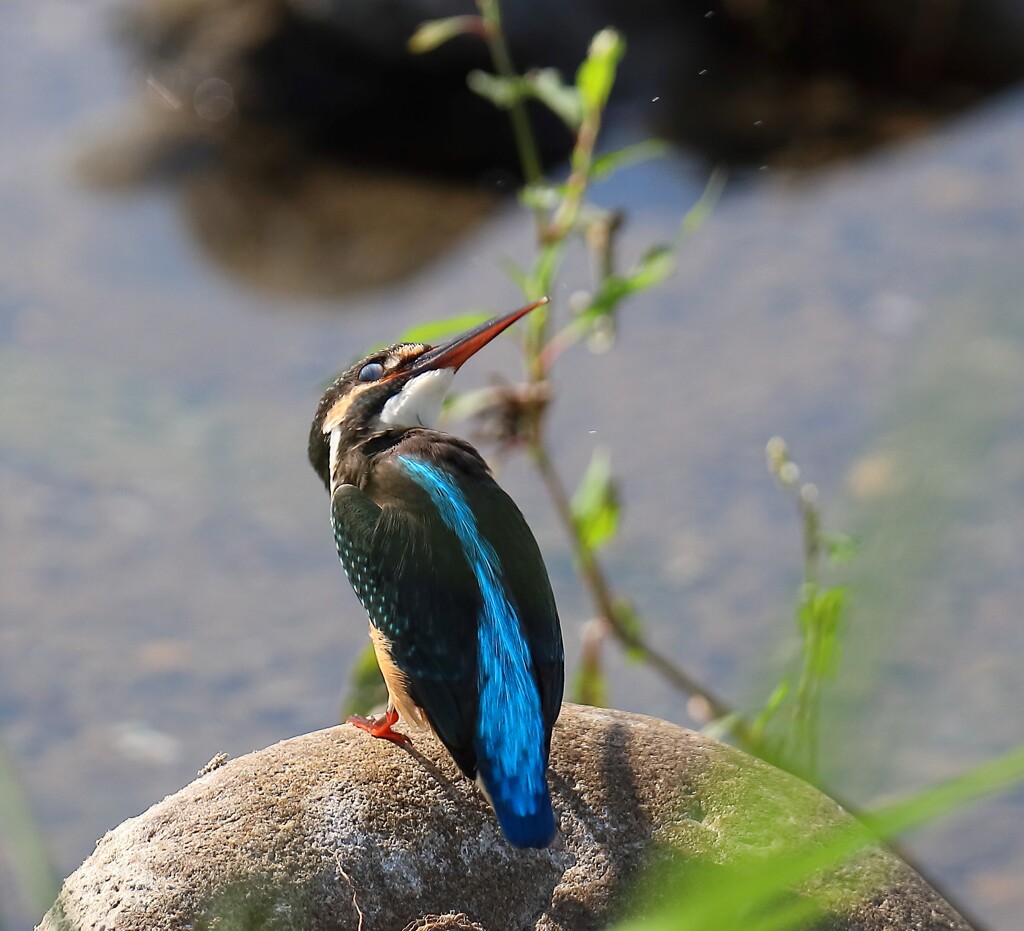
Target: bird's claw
[{"x": 380, "y": 726}]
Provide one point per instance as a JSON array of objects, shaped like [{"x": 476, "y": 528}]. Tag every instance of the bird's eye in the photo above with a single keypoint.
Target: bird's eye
[{"x": 371, "y": 371}]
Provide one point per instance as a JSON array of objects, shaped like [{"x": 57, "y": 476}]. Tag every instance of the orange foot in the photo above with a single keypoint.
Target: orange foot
[{"x": 380, "y": 726}]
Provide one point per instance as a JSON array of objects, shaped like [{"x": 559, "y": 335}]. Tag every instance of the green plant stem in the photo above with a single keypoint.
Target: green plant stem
[
  {"x": 579, "y": 178},
  {"x": 530, "y": 162},
  {"x": 526, "y": 144},
  {"x": 810, "y": 519},
  {"x": 552, "y": 238},
  {"x": 807, "y": 711},
  {"x": 548, "y": 265}
]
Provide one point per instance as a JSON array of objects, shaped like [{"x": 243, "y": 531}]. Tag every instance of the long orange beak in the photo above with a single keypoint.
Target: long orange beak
[{"x": 452, "y": 354}]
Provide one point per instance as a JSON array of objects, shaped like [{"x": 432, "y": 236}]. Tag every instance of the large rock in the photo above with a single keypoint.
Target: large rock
[
  {"x": 335, "y": 830},
  {"x": 740, "y": 80}
]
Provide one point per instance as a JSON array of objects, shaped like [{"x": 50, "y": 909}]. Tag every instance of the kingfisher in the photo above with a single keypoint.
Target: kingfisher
[{"x": 462, "y": 617}]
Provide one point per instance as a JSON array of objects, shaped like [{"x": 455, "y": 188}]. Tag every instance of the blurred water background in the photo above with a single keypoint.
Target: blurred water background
[{"x": 168, "y": 315}]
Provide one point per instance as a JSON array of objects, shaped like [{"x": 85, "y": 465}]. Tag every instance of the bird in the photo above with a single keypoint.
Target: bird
[{"x": 462, "y": 616}]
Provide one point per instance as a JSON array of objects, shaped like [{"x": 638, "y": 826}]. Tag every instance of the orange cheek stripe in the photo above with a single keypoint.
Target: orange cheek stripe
[{"x": 337, "y": 413}]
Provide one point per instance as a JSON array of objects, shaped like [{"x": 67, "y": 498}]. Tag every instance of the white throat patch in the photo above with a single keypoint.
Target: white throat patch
[
  {"x": 418, "y": 404},
  {"x": 335, "y": 452}
]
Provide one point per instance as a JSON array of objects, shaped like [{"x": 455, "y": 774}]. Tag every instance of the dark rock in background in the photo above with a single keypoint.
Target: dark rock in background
[
  {"x": 736, "y": 80},
  {"x": 802, "y": 82}
]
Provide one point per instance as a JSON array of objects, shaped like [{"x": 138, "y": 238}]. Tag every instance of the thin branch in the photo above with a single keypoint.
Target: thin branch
[{"x": 605, "y": 603}]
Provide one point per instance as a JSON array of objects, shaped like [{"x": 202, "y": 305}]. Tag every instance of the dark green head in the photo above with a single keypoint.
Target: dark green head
[{"x": 395, "y": 389}]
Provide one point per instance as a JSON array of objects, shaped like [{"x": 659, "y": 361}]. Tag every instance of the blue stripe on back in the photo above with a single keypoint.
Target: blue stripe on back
[{"x": 509, "y": 730}]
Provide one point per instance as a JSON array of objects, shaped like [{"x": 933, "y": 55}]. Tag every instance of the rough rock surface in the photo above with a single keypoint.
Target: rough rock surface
[{"x": 334, "y": 830}]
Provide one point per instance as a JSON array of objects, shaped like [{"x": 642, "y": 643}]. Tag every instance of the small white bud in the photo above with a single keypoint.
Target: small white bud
[
  {"x": 789, "y": 473},
  {"x": 776, "y": 454},
  {"x": 809, "y": 494}
]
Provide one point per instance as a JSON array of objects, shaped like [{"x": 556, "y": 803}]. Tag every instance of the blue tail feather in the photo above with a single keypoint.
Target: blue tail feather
[{"x": 526, "y": 818}]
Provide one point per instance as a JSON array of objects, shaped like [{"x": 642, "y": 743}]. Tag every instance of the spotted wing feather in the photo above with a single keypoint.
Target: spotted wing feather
[{"x": 410, "y": 575}]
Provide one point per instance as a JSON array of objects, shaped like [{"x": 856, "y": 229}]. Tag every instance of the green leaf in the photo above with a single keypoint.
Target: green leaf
[
  {"x": 629, "y": 622},
  {"x": 516, "y": 274},
  {"x": 652, "y": 268},
  {"x": 542, "y": 196},
  {"x": 545, "y": 268},
  {"x": 435, "y": 32},
  {"x": 502, "y": 92},
  {"x": 596, "y": 75},
  {"x": 819, "y": 616},
  {"x": 610, "y": 162},
  {"x": 590, "y": 687},
  {"x": 595, "y": 506},
  {"x": 771, "y": 706},
  {"x": 840, "y": 547},
  {"x": 823, "y": 608},
  {"x": 441, "y": 329},
  {"x": 366, "y": 688},
  {"x": 695, "y": 217},
  {"x": 562, "y": 99}
]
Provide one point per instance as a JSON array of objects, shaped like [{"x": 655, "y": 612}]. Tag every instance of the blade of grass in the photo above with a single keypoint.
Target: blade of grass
[
  {"x": 758, "y": 882},
  {"x": 33, "y": 869}
]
